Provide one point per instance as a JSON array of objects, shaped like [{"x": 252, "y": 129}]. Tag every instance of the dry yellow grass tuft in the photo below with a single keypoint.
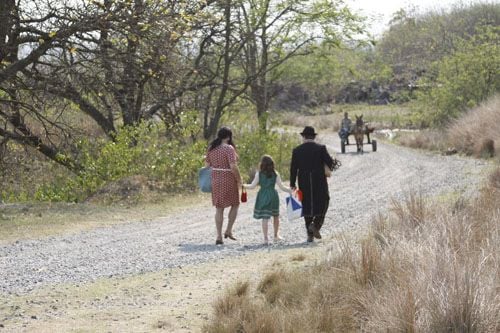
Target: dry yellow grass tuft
[
  {"x": 477, "y": 131},
  {"x": 425, "y": 267}
]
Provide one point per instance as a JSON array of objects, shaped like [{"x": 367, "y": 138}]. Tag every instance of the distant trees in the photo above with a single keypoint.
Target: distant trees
[
  {"x": 463, "y": 79},
  {"x": 280, "y": 30},
  {"x": 415, "y": 40}
]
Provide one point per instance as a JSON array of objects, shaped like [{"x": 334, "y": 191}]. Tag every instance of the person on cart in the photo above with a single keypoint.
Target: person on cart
[{"x": 345, "y": 128}]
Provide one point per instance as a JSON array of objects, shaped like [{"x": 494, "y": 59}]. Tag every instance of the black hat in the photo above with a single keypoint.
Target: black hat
[{"x": 308, "y": 131}]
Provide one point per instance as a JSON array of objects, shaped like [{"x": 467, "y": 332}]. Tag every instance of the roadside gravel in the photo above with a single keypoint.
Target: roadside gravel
[{"x": 362, "y": 187}]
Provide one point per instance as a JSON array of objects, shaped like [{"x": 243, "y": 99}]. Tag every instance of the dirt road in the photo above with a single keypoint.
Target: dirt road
[{"x": 362, "y": 187}]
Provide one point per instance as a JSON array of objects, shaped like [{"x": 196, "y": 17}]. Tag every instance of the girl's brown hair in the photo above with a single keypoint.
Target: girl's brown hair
[{"x": 267, "y": 166}]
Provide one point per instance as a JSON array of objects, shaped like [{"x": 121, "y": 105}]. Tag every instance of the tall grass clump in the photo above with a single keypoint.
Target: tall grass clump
[
  {"x": 423, "y": 267},
  {"x": 472, "y": 132},
  {"x": 475, "y": 133}
]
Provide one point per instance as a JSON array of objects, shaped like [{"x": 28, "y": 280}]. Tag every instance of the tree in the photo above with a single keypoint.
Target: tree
[
  {"x": 110, "y": 63},
  {"x": 464, "y": 79},
  {"x": 280, "y": 30},
  {"x": 415, "y": 40},
  {"x": 28, "y": 33}
]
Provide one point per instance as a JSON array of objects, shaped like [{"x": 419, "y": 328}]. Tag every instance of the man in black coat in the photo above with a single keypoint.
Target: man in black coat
[{"x": 308, "y": 165}]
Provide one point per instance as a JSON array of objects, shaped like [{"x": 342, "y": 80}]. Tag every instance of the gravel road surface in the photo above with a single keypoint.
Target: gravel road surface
[{"x": 362, "y": 187}]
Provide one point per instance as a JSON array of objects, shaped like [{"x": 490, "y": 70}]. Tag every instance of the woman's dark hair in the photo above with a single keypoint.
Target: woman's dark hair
[
  {"x": 267, "y": 166},
  {"x": 223, "y": 133}
]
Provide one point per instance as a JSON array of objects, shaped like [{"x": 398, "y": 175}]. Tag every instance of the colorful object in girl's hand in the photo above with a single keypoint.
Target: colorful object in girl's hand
[
  {"x": 293, "y": 208},
  {"x": 243, "y": 195}
]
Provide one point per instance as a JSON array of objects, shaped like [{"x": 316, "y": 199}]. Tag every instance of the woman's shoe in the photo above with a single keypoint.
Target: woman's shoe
[
  {"x": 230, "y": 236},
  {"x": 219, "y": 242}
]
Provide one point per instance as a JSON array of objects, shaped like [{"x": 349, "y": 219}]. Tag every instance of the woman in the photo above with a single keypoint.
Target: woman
[{"x": 226, "y": 181}]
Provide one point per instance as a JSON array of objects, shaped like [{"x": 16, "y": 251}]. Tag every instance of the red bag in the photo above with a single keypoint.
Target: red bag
[
  {"x": 243, "y": 195},
  {"x": 299, "y": 195}
]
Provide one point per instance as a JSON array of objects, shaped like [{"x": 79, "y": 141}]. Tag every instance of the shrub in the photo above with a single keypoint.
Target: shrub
[
  {"x": 166, "y": 163},
  {"x": 252, "y": 144},
  {"x": 471, "y": 131},
  {"x": 462, "y": 80}
]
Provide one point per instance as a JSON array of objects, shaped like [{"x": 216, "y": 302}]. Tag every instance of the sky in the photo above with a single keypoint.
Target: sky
[{"x": 381, "y": 11}]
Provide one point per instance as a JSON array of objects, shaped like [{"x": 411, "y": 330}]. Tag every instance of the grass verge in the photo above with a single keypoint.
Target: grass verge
[
  {"x": 35, "y": 220},
  {"x": 476, "y": 133}
]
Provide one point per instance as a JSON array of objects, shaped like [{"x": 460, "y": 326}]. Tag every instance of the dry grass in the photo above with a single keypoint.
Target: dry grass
[
  {"x": 477, "y": 131},
  {"x": 495, "y": 179},
  {"x": 298, "y": 257},
  {"x": 425, "y": 139},
  {"x": 425, "y": 267}
]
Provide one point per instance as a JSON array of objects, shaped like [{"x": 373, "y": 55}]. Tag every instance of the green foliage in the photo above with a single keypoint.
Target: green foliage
[
  {"x": 170, "y": 162},
  {"x": 463, "y": 80},
  {"x": 253, "y": 144},
  {"x": 140, "y": 150}
]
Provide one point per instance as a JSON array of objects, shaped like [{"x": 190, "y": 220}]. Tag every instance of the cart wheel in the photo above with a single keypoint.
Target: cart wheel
[
  {"x": 374, "y": 145},
  {"x": 342, "y": 146}
]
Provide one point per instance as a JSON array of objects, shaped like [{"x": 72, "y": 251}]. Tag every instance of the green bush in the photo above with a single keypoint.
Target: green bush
[
  {"x": 463, "y": 80},
  {"x": 252, "y": 144},
  {"x": 171, "y": 163}
]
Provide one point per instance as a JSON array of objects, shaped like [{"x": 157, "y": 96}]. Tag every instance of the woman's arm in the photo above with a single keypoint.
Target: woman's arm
[
  {"x": 254, "y": 183},
  {"x": 280, "y": 184}
]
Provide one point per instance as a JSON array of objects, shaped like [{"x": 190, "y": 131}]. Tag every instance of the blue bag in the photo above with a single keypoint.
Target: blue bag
[{"x": 205, "y": 179}]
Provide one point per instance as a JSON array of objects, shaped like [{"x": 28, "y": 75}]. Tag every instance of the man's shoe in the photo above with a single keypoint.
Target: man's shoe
[
  {"x": 316, "y": 233},
  {"x": 310, "y": 238}
]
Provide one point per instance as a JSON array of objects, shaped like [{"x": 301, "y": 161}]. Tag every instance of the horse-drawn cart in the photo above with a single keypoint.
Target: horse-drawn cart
[
  {"x": 359, "y": 130},
  {"x": 344, "y": 142}
]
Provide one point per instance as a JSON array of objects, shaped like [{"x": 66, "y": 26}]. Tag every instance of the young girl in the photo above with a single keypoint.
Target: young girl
[{"x": 267, "y": 203}]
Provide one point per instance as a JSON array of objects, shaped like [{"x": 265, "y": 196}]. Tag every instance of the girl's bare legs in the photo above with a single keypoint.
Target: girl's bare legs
[
  {"x": 219, "y": 218},
  {"x": 276, "y": 224},
  {"x": 233, "y": 212},
  {"x": 265, "y": 227}
]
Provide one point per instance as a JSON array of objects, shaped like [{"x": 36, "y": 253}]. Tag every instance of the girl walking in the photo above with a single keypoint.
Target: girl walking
[{"x": 267, "y": 202}]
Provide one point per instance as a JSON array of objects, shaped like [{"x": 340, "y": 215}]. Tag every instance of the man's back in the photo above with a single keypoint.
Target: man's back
[{"x": 308, "y": 156}]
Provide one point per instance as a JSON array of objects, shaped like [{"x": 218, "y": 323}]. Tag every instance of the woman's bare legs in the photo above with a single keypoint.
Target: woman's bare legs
[
  {"x": 276, "y": 224},
  {"x": 233, "y": 212},
  {"x": 219, "y": 218},
  {"x": 265, "y": 223}
]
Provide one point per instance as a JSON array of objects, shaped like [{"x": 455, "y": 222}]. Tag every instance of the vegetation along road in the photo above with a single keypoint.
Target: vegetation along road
[{"x": 362, "y": 187}]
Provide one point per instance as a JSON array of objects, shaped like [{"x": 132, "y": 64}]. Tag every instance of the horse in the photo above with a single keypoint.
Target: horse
[{"x": 358, "y": 130}]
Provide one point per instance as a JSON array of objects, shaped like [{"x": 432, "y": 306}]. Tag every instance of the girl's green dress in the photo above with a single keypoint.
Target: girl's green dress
[{"x": 267, "y": 203}]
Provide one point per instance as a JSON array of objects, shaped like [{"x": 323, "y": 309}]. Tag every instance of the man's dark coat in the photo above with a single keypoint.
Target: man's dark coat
[{"x": 308, "y": 163}]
